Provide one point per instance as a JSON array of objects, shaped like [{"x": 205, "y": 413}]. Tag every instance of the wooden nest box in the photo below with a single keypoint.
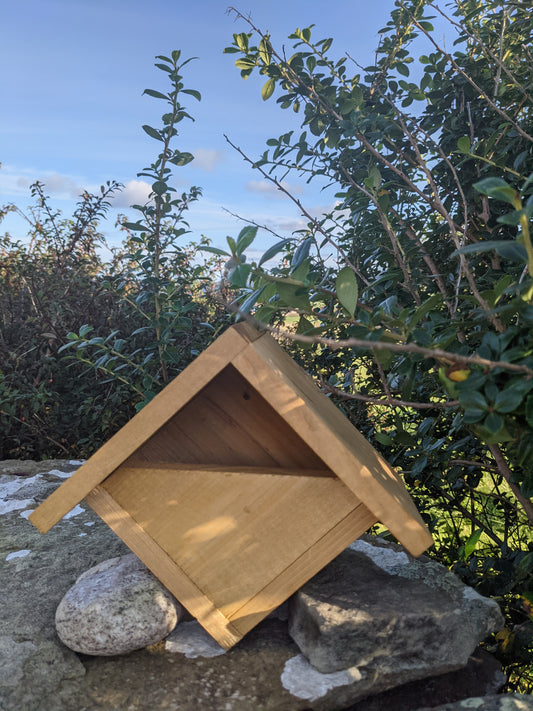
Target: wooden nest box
[{"x": 238, "y": 483}]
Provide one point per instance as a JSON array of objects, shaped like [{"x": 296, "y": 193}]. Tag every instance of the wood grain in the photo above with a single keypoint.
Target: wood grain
[
  {"x": 343, "y": 449},
  {"x": 141, "y": 427},
  {"x": 164, "y": 568},
  {"x": 232, "y": 532}
]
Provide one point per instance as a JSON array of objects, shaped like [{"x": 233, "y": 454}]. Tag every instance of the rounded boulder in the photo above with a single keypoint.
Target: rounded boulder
[{"x": 116, "y": 607}]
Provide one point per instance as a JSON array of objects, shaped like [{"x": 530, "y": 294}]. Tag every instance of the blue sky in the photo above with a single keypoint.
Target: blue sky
[{"x": 72, "y": 74}]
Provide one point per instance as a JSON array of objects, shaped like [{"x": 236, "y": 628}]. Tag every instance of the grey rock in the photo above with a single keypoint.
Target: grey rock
[
  {"x": 378, "y": 614},
  {"x": 480, "y": 677},
  {"x": 508, "y": 702},
  {"x": 256, "y": 674},
  {"x": 36, "y": 571},
  {"x": 116, "y": 607}
]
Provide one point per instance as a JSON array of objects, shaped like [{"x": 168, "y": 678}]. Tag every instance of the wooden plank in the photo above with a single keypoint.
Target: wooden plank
[
  {"x": 302, "y": 569},
  {"x": 163, "y": 567},
  {"x": 243, "y": 429},
  {"x": 231, "y": 533},
  {"x": 183, "y": 468},
  {"x": 141, "y": 427},
  {"x": 334, "y": 439}
]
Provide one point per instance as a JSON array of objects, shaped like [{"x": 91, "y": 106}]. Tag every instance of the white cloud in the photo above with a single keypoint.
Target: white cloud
[
  {"x": 134, "y": 192},
  {"x": 268, "y": 189},
  {"x": 207, "y": 158}
]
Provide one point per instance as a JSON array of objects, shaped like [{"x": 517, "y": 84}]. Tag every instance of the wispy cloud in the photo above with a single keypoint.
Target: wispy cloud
[
  {"x": 16, "y": 181},
  {"x": 269, "y": 190},
  {"x": 207, "y": 158}
]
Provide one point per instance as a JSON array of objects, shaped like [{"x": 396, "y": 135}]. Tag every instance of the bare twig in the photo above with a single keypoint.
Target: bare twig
[
  {"x": 389, "y": 400},
  {"x": 316, "y": 224},
  {"x": 435, "y": 353},
  {"x": 472, "y": 83},
  {"x": 503, "y": 467}
]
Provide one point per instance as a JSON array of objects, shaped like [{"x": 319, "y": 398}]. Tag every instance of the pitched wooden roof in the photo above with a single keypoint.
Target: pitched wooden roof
[{"x": 294, "y": 396}]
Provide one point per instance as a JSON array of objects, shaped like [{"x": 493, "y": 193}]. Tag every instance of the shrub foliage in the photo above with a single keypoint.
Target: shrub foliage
[
  {"x": 411, "y": 301},
  {"x": 414, "y": 295}
]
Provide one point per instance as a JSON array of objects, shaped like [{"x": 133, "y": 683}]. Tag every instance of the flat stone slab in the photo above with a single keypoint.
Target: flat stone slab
[
  {"x": 185, "y": 672},
  {"x": 388, "y": 618},
  {"x": 509, "y": 702}
]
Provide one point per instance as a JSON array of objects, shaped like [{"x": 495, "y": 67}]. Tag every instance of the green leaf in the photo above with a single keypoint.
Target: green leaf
[
  {"x": 232, "y": 245},
  {"x": 275, "y": 249},
  {"x": 383, "y": 438},
  {"x": 473, "y": 415},
  {"x": 84, "y": 330},
  {"x": 427, "y": 306},
  {"x": 245, "y": 238},
  {"x": 493, "y": 422},
  {"x": 505, "y": 248},
  {"x": 471, "y": 543},
  {"x": 295, "y": 297},
  {"x": 347, "y": 290},
  {"x": 242, "y": 41},
  {"x": 508, "y": 400},
  {"x": 268, "y": 89},
  {"x": 301, "y": 253},
  {"x": 215, "y": 250},
  {"x": 192, "y": 92},
  {"x": 473, "y": 400},
  {"x": 238, "y": 277},
  {"x": 152, "y": 133},
  {"x": 159, "y": 187},
  {"x": 155, "y": 94},
  {"x": 264, "y": 51},
  {"x": 402, "y": 69},
  {"x": 181, "y": 159},
  {"x": 498, "y": 189},
  {"x": 463, "y": 144},
  {"x": 133, "y": 226},
  {"x": 251, "y": 299},
  {"x": 512, "y": 218}
]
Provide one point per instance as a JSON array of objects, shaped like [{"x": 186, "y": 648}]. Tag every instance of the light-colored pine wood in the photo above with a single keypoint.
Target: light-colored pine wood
[
  {"x": 295, "y": 397},
  {"x": 143, "y": 426},
  {"x": 163, "y": 567},
  {"x": 228, "y": 422},
  {"x": 229, "y": 531},
  {"x": 237, "y": 483},
  {"x": 302, "y": 569},
  {"x": 183, "y": 468}
]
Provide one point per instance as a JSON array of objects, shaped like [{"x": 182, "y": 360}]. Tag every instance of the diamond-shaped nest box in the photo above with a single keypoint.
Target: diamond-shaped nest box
[{"x": 238, "y": 483}]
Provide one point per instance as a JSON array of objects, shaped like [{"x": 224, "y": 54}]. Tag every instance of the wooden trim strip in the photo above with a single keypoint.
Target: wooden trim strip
[
  {"x": 163, "y": 567},
  {"x": 185, "y": 468},
  {"x": 141, "y": 427},
  {"x": 346, "y": 531}
]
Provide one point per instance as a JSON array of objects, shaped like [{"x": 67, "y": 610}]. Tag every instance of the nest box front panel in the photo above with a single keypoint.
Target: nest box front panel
[
  {"x": 233, "y": 532},
  {"x": 237, "y": 500}
]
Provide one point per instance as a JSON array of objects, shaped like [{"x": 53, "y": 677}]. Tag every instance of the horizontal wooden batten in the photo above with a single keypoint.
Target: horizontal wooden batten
[{"x": 180, "y": 468}]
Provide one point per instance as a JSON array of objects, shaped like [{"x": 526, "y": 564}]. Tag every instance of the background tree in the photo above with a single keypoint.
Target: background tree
[
  {"x": 84, "y": 343},
  {"x": 414, "y": 294}
]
